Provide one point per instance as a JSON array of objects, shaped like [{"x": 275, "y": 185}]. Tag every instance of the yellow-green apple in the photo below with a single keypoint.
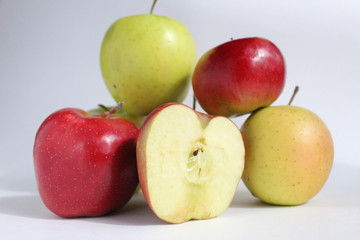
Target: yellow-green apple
[
  {"x": 189, "y": 163},
  {"x": 85, "y": 165},
  {"x": 289, "y": 154},
  {"x": 138, "y": 120},
  {"x": 147, "y": 60},
  {"x": 239, "y": 76}
]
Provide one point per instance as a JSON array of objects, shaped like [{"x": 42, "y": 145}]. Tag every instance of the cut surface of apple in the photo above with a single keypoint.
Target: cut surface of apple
[{"x": 189, "y": 163}]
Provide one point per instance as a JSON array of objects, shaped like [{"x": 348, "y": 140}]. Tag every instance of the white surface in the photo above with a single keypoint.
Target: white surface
[
  {"x": 333, "y": 214},
  {"x": 49, "y": 59}
]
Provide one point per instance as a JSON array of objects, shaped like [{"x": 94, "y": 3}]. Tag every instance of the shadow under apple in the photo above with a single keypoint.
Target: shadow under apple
[
  {"x": 339, "y": 190},
  {"x": 136, "y": 212},
  {"x": 244, "y": 199}
]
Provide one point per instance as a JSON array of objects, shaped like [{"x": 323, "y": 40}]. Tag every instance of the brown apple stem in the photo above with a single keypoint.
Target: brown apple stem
[
  {"x": 231, "y": 39},
  {"x": 103, "y": 107},
  {"x": 117, "y": 107},
  {"x": 194, "y": 103},
  {"x": 296, "y": 90},
  {"x": 153, "y": 6},
  {"x": 113, "y": 110}
]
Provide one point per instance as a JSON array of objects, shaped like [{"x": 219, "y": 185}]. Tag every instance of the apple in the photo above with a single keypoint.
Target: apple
[
  {"x": 137, "y": 120},
  {"x": 239, "y": 76},
  {"x": 147, "y": 60},
  {"x": 289, "y": 154},
  {"x": 85, "y": 165},
  {"x": 189, "y": 163}
]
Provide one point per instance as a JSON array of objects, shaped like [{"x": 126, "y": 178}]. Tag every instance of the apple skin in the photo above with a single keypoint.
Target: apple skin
[
  {"x": 137, "y": 120},
  {"x": 147, "y": 60},
  {"x": 289, "y": 154},
  {"x": 85, "y": 165},
  {"x": 142, "y": 163},
  {"x": 141, "y": 158},
  {"x": 239, "y": 76}
]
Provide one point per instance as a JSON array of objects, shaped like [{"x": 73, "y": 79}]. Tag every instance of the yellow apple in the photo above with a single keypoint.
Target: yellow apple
[
  {"x": 147, "y": 60},
  {"x": 289, "y": 154}
]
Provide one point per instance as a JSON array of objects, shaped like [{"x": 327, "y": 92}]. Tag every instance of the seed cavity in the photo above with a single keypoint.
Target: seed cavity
[{"x": 194, "y": 165}]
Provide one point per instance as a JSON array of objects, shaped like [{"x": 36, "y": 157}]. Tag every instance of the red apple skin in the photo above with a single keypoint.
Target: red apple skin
[
  {"x": 140, "y": 153},
  {"x": 85, "y": 165},
  {"x": 239, "y": 77}
]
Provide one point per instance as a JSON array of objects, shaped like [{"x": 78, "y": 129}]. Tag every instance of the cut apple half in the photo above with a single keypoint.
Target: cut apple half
[{"x": 189, "y": 163}]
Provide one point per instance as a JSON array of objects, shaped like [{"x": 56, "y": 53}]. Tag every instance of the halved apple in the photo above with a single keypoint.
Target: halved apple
[{"x": 189, "y": 163}]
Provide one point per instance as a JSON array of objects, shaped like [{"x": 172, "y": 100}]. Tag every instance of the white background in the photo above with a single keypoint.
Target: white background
[{"x": 49, "y": 59}]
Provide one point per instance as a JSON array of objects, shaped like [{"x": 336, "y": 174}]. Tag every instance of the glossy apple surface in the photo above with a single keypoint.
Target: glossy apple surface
[
  {"x": 137, "y": 120},
  {"x": 289, "y": 154},
  {"x": 147, "y": 60},
  {"x": 239, "y": 76},
  {"x": 85, "y": 165},
  {"x": 189, "y": 163}
]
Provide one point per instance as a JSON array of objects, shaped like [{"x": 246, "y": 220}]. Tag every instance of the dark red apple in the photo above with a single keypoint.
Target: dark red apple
[
  {"x": 239, "y": 77},
  {"x": 85, "y": 165}
]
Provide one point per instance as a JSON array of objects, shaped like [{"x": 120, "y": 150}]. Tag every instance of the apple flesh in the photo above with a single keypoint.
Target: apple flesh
[
  {"x": 289, "y": 154},
  {"x": 189, "y": 163},
  {"x": 239, "y": 76},
  {"x": 147, "y": 60},
  {"x": 85, "y": 165}
]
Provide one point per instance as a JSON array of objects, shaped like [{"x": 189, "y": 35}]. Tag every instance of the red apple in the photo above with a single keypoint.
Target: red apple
[
  {"x": 189, "y": 163},
  {"x": 85, "y": 165},
  {"x": 239, "y": 77}
]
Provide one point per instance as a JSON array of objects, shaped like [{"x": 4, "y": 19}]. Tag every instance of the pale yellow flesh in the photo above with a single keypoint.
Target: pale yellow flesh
[{"x": 182, "y": 186}]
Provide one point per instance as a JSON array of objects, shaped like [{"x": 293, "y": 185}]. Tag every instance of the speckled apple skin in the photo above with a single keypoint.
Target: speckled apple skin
[
  {"x": 289, "y": 154},
  {"x": 85, "y": 165},
  {"x": 239, "y": 76},
  {"x": 147, "y": 60}
]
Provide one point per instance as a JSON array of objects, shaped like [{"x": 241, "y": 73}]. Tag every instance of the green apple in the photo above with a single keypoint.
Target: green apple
[
  {"x": 289, "y": 154},
  {"x": 137, "y": 120},
  {"x": 189, "y": 163},
  {"x": 147, "y": 60}
]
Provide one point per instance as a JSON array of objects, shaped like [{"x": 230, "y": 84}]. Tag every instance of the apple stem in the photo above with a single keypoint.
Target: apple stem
[
  {"x": 153, "y": 6},
  {"x": 113, "y": 110},
  {"x": 296, "y": 90},
  {"x": 194, "y": 103},
  {"x": 103, "y": 107},
  {"x": 117, "y": 107},
  {"x": 231, "y": 39}
]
